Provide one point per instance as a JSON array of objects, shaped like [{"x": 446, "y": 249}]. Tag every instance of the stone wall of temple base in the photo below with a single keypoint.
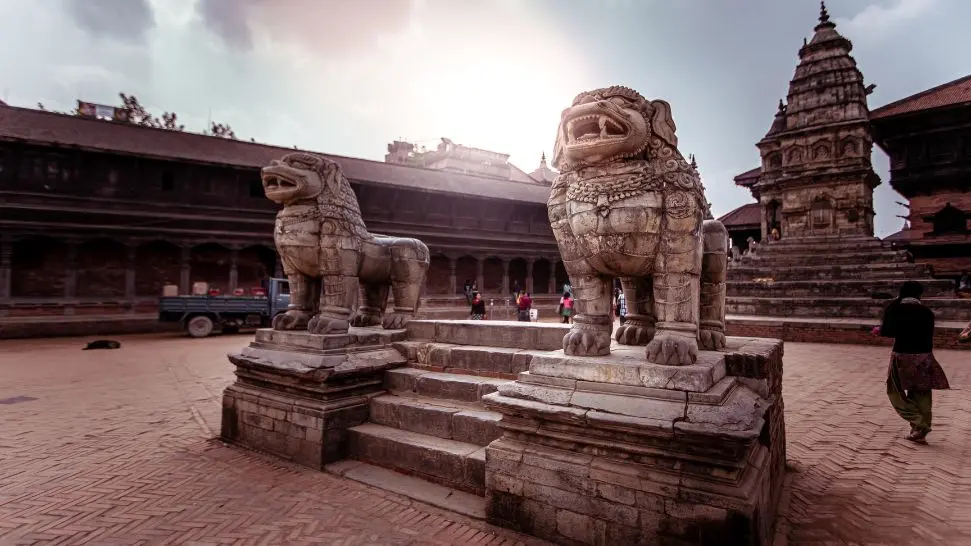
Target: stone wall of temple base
[{"x": 945, "y": 337}]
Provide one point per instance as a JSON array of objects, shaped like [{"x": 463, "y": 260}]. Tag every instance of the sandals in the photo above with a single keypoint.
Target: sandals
[{"x": 918, "y": 436}]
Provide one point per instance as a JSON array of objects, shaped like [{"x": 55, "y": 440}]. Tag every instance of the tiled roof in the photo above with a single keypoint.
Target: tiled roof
[
  {"x": 748, "y": 177},
  {"x": 746, "y": 215},
  {"x": 902, "y": 236},
  {"x": 49, "y": 128},
  {"x": 948, "y": 94}
]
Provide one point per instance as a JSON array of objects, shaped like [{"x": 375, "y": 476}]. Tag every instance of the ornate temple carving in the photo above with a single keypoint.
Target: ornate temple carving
[{"x": 822, "y": 132}]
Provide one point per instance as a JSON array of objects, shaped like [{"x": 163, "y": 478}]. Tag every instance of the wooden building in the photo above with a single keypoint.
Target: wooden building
[
  {"x": 928, "y": 139},
  {"x": 96, "y": 216}
]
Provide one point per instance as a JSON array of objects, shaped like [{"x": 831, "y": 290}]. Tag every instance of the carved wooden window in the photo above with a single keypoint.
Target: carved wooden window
[
  {"x": 941, "y": 151},
  {"x": 950, "y": 219},
  {"x": 898, "y": 159},
  {"x": 822, "y": 213}
]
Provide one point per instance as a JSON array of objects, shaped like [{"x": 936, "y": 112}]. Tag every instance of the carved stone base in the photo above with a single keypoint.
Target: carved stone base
[
  {"x": 614, "y": 450},
  {"x": 297, "y": 393}
]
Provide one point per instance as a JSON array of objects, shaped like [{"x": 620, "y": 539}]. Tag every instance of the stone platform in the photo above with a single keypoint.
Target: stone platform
[
  {"x": 614, "y": 450},
  {"x": 297, "y": 393}
]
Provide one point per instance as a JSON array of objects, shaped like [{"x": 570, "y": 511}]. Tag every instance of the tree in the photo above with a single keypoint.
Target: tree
[
  {"x": 222, "y": 130},
  {"x": 169, "y": 121},
  {"x": 137, "y": 113}
]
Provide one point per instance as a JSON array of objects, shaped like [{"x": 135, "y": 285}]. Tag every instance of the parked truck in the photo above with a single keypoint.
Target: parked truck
[{"x": 200, "y": 315}]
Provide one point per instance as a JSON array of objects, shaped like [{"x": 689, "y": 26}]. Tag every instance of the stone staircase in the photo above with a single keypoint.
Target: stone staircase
[
  {"x": 431, "y": 426},
  {"x": 827, "y": 277}
]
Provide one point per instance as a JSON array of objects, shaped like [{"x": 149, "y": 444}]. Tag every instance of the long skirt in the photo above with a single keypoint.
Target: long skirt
[{"x": 911, "y": 378}]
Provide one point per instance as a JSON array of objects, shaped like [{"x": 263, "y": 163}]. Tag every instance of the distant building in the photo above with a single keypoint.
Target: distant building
[
  {"x": 928, "y": 139},
  {"x": 742, "y": 223},
  {"x": 449, "y": 156}
]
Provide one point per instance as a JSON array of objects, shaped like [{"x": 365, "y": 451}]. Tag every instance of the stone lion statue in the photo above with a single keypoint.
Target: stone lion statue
[
  {"x": 626, "y": 204},
  {"x": 328, "y": 254}
]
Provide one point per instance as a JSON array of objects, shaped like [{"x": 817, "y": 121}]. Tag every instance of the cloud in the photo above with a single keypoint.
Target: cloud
[
  {"x": 330, "y": 28},
  {"x": 879, "y": 19},
  {"x": 125, "y": 20}
]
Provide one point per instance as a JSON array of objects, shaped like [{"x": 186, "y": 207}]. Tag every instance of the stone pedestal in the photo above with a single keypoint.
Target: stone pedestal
[
  {"x": 297, "y": 393},
  {"x": 614, "y": 450}
]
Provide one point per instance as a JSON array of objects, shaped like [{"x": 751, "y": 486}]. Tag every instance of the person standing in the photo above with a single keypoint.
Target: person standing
[
  {"x": 478, "y": 311},
  {"x": 913, "y": 372},
  {"x": 622, "y": 306},
  {"x": 525, "y": 304},
  {"x": 565, "y": 309}
]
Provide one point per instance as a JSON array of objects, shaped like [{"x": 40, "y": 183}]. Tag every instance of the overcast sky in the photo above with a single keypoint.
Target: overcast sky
[{"x": 348, "y": 76}]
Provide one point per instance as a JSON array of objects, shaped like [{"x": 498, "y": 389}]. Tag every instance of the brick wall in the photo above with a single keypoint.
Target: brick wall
[
  {"x": 39, "y": 268},
  {"x": 437, "y": 280},
  {"x": 101, "y": 266},
  {"x": 157, "y": 263}
]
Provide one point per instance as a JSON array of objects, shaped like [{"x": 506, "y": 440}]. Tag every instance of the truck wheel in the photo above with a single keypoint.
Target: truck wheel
[{"x": 199, "y": 326}]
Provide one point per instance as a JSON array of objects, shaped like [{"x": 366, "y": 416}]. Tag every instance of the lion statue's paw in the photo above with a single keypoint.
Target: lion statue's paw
[
  {"x": 711, "y": 340},
  {"x": 634, "y": 332},
  {"x": 586, "y": 342},
  {"x": 364, "y": 320},
  {"x": 396, "y": 321},
  {"x": 672, "y": 349},
  {"x": 292, "y": 319},
  {"x": 327, "y": 325}
]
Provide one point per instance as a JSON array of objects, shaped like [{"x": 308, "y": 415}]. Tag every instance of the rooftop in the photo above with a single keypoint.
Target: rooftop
[
  {"x": 61, "y": 130},
  {"x": 949, "y": 94},
  {"x": 746, "y": 215},
  {"x": 748, "y": 177}
]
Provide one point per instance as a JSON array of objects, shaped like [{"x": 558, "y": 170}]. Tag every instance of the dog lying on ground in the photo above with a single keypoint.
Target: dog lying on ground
[{"x": 102, "y": 344}]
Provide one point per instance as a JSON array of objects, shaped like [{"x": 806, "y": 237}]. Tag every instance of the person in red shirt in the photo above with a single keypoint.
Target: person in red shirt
[{"x": 525, "y": 304}]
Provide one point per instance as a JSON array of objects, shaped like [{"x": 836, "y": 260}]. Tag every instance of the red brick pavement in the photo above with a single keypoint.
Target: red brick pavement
[{"x": 116, "y": 448}]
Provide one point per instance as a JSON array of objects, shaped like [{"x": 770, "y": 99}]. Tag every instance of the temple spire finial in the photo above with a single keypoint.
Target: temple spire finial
[{"x": 823, "y": 14}]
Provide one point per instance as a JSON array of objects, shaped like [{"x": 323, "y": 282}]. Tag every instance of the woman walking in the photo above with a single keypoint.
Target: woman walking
[{"x": 913, "y": 372}]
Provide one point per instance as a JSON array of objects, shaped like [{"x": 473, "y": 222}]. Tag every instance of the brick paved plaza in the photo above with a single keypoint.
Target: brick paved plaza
[{"x": 116, "y": 447}]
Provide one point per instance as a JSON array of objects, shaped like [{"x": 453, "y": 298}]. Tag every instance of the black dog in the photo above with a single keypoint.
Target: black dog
[{"x": 102, "y": 344}]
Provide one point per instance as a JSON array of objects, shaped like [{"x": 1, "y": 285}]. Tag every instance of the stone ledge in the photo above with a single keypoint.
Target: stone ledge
[{"x": 539, "y": 336}]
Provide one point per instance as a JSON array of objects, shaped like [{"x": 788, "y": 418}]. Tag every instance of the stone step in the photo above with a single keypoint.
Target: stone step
[
  {"x": 448, "y": 357},
  {"x": 836, "y": 246},
  {"x": 439, "y": 385},
  {"x": 834, "y": 289},
  {"x": 451, "y": 463},
  {"x": 944, "y": 308},
  {"x": 823, "y": 258},
  {"x": 537, "y": 336},
  {"x": 895, "y": 270},
  {"x": 469, "y": 423}
]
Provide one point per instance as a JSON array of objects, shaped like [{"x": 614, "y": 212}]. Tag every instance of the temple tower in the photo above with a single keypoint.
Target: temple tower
[{"x": 817, "y": 180}]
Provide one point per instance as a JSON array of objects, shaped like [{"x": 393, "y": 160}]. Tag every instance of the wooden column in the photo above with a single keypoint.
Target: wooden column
[
  {"x": 186, "y": 272},
  {"x": 452, "y": 279},
  {"x": 70, "y": 276},
  {"x": 553, "y": 288},
  {"x": 132, "y": 256},
  {"x": 6, "y": 267},
  {"x": 479, "y": 275},
  {"x": 233, "y": 269},
  {"x": 505, "y": 277},
  {"x": 529, "y": 275}
]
